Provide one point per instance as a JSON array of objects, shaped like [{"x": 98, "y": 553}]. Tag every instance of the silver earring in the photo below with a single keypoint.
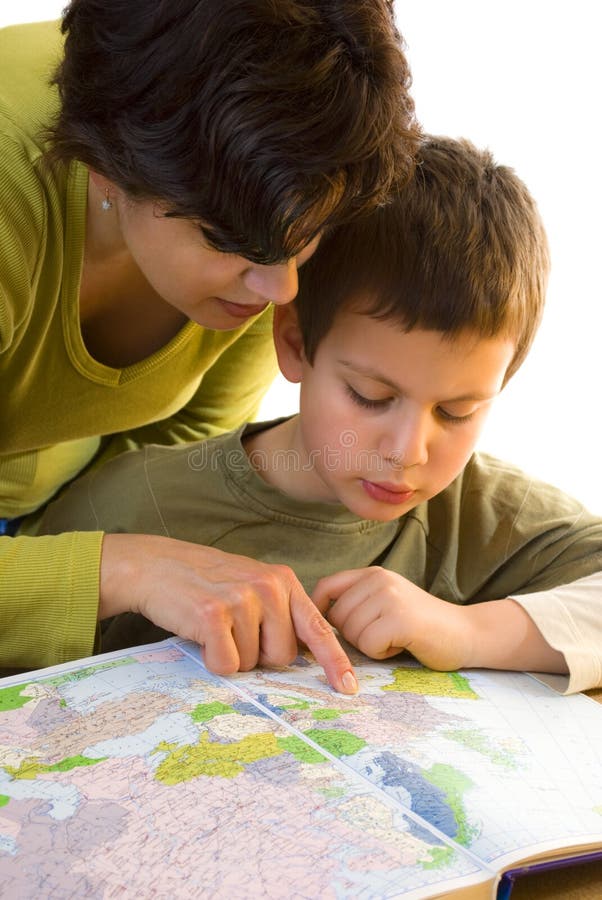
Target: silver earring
[{"x": 107, "y": 203}]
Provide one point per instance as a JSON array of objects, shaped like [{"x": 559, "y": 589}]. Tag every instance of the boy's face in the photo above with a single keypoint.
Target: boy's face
[{"x": 389, "y": 419}]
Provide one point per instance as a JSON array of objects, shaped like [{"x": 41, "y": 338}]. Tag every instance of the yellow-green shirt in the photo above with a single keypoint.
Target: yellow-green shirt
[{"x": 60, "y": 409}]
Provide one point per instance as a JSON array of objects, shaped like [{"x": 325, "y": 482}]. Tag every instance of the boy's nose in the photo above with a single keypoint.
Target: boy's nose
[
  {"x": 406, "y": 443},
  {"x": 278, "y": 283}
]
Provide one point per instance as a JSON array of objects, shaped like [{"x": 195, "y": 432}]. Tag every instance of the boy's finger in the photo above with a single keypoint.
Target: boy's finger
[
  {"x": 331, "y": 587},
  {"x": 316, "y": 633}
]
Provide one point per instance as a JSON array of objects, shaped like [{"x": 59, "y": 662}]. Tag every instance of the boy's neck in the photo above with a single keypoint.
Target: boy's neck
[{"x": 277, "y": 455}]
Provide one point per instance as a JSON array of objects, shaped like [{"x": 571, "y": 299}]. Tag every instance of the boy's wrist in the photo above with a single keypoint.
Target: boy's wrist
[
  {"x": 504, "y": 636},
  {"x": 446, "y": 637}
]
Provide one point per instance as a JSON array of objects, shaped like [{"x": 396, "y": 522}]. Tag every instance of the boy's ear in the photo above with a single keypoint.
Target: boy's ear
[{"x": 288, "y": 342}]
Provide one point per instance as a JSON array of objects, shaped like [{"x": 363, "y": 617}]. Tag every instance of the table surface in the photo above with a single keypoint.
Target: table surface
[{"x": 582, "y": 882}]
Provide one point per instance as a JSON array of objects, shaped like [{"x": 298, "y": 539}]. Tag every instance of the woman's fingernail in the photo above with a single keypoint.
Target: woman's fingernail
[{"x": 349, "y": 682}]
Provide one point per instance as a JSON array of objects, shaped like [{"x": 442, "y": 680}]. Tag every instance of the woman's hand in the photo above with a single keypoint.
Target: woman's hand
[{"x": 242, "y": 612}]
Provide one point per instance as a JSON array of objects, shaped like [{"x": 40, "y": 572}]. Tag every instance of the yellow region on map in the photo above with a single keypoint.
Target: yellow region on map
[
  {"x": 213, "y": 758},
  {"x": 412, "y": 680}
]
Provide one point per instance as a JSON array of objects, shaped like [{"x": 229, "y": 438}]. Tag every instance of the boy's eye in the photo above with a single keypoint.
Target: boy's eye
[
  {"x": 365, "y": 401},
  {"x": 451, "y": 418}
]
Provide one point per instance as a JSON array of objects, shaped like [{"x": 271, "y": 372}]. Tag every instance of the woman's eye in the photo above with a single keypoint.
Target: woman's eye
[{"x": 365, "y": 401}]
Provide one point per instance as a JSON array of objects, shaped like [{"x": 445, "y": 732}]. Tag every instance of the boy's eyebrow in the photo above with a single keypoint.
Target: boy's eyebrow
[{"x": 378, "y": 376}]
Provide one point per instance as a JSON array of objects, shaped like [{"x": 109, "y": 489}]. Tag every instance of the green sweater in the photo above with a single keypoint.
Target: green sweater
[
  {"x": 493, "y": 533},
  {"x": 60, "y": 409}
]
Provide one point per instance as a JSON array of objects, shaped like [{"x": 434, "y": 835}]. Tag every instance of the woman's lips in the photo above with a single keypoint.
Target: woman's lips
[
  {"x": 388, "y": 493},
  {"x": 242, "y": 310}
]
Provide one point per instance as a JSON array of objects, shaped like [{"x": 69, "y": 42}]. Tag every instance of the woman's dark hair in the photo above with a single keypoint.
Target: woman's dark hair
[
  {"x": 265, "y": 121},
  {"x": 461, "y": 247}
]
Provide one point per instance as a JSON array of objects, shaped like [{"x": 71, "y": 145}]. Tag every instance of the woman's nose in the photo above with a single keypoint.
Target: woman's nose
[{"x": 277, "y": 283}]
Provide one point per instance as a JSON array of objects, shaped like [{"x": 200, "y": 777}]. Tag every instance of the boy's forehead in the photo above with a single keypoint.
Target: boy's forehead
[{"x": 385, "y": 350}]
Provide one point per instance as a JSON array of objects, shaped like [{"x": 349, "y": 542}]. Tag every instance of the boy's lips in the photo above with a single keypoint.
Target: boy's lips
[
  {"x": 242, "y": 310},
  {"x": 386, "y": 492}
]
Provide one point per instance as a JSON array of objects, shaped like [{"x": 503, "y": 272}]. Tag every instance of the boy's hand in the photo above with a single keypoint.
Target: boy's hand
[
  {"x": 242, "y": 612},
  {"x": 382, "y": 613}
]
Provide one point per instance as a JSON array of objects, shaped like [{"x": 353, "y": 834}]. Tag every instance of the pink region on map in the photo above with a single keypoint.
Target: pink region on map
[
  {"x": 170, "y": 654},
  {"x": 112, "y": 779},
  {"x": 9, "y": 827},
  {"x": 370, "y": 721},
  {"x": 15, "y": 723},
  {"x": 172, "y": 841}
]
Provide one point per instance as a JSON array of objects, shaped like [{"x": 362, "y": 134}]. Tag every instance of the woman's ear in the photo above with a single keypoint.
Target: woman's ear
[
  {"x": 103, "y": 188},
  {"x": 288, "y": 342}
]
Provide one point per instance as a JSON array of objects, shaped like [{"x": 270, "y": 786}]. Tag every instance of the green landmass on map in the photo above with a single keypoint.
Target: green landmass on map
[
  {"x": 296, "y": 704},
  {"x": 204, "y": 712},
  {"x": 476, "y": 740},
  {"x": 438, "y": 858},
  {"x": 332, "y": 793},
  {"x": 453, "y": 784},
  {"x": 327, "y": 713},
  {"x": 336, "y": 741},
  {"x": 305, "y": 753},
  {"x": 411, "y": 680},
  {"x": 11, "y": 697},
  {"x": 3, "y": 799},
  {"x": 213, "y": 758},
  {"x": 31, "y": 767}
]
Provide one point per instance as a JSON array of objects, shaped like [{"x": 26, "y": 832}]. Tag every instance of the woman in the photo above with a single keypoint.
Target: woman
[{"x": 151, "y": 210}]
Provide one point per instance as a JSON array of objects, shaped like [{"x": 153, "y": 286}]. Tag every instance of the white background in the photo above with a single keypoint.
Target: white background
[{"x": 523, "y": 79}]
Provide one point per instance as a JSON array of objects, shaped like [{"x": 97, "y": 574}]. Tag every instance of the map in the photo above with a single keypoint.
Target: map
[{"x": 140, "y": 774}]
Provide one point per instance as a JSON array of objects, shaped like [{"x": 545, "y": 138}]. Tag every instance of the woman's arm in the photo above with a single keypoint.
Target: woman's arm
[{"x": 56, "y": 587}]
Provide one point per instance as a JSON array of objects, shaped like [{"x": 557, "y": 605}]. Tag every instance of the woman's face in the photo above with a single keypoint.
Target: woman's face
[{"x": 216, "y": 290}]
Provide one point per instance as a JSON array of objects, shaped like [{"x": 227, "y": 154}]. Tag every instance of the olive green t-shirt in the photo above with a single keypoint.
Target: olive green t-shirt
[{"x": 493, "y": 533}]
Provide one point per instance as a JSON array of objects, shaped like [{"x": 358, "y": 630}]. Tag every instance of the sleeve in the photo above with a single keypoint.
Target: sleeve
[
  {"x": 49, "y": 587},
  {"x": 515, "y": 534},
  {"x": 570, "y": 619},
  {"x": 22, "y": 227},
  {"x": 49, "y": 601},
  {"x": 540, "y": 547},
  {"x": 228, "y": 396}
]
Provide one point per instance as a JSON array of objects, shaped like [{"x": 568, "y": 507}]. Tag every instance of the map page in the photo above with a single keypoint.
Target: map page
[{"x": 140, "y": 774}]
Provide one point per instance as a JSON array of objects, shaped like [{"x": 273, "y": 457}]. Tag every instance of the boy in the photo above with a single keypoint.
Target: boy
[{"x": 373, "y": 494}]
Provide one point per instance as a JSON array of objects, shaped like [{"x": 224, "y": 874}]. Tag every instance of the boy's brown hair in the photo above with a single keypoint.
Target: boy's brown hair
[
  {"x": 263, "y": 121},
  {"x": 460, "y": 247}
]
